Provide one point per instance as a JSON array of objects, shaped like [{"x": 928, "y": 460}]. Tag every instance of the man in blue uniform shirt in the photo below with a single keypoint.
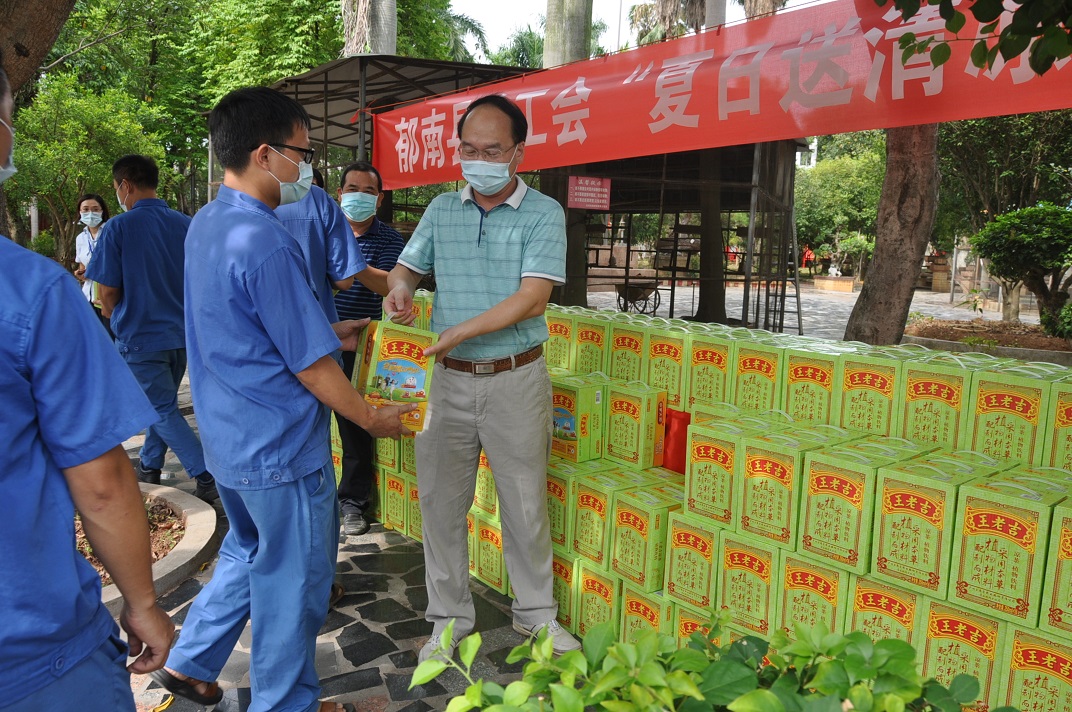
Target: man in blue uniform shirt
[
  {"x": 138, "y": 266},
  {"x": 261, "y": 373},
  {"x": 69, "y": 403}
]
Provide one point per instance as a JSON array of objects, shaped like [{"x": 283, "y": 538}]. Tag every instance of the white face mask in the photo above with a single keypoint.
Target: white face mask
[
  {"x": 122, "y": 205},
  {"x": 293, "y": 191},
  {"x": 9, "y": 169},
  {"x": 488, "y": 178},
  {"x": 92, "y": 219},
  {"x": 359, "y": 207}
]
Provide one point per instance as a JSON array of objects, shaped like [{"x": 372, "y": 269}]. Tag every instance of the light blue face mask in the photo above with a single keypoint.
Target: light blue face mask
[
  {"x": 9, "y": 170},
  {"x": 359, "y": 207},
  {"x": 488, "y": 178},
  {"x": 294, "y": 191},
  {"x": 92, "y": 219}
]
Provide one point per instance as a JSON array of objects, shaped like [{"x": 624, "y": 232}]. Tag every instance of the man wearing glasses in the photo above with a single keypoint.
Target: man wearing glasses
[{"x": 497, "y": 248}]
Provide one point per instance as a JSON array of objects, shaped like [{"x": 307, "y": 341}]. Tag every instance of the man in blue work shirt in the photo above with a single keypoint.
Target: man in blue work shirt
[
  {"x": 361, "y": 194},
  {"x": 59, "y": 647},
  {"x": 138, "y": 267},
  {"x": 261, "y": 372}
]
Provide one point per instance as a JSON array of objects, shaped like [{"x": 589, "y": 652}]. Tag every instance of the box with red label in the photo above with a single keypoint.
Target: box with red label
[
  {"x": 407, "y": 456},
  {"x": 639, "y": 541},
  {"x": 643, "y": 610},
  {"x": 935, "y": 395},
  {"x": 363, "y": 355},
  {"x": 756, "y": 373},
  {"x": 566, "y": 571},
  {"x": 915, "y": 515},
  {"x": 812, "y": 592},
  {"x": 772, "y": 469},
  {"x": 336, "y": 439},
  {"x": 414, "y": 522},
  {"x": 490, "y": 566},
  {"x": 1008, "y": 408},
  {"x": 1056, "y": 611},
  {"x": 885, "y": 612},
  {"x": 962, "y": 642},
  {"x": 837, "y": 512},
  {"x": 560, "y": 477},
  {"x": 689, "y": 620},
  {"x": 399, "y": 372},
  {"x": 376, "y": 506},
  {"x": 388, "y": 454},
  {"x": 628, "y": 357},
  {"x": 577, "y": 410},
  {"x": 999, "y": 561},
  {"x": 485, "y": 499},
  {"x": 599, "y": 599},
  {"x": 749, "y": 581},
  {"x": 1057, "y": 448},
  {"x": 711, "y": 352},
  {"x": 590, "y": 507},
  {"x": 668, "y": 365},
  {"x": 691, "y": 557},
  {"x": 470, "y": 525},
  {"x": 336, "y": 464},
  {"x": 867, "y": 387},
  {"x": 808, "y": 383},
  {"x": 395, "y": 501},
  {"x": 559, "y": 349},
  {"x": 1040, "y": 672},
  {"x": 636, "y": 424},
  {"x": 592, "y": 337}
]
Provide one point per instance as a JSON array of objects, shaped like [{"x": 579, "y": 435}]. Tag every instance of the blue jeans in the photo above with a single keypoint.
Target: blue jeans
[
  {"x": 159, "y": 374},
  {"x": 275, "y": 568},
  {"x": 100, "y": 683}
]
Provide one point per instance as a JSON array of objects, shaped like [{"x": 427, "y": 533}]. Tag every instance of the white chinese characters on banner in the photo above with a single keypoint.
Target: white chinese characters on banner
[
  {"x": 833, "y": 44},
  {"x": 571, "y": 122},
  {"x": 924, "y": 24},
  {"x": 432, "y": 139},
  {"x": 453, "y": 142},
  {"x": 524, "y": 100},
  {"x": 406, "y": 147},
  {"x": 673, "y": 89},
  {"x": 749, "y": 70}
]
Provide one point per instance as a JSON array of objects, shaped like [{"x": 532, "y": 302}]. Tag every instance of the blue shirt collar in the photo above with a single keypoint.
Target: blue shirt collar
[
  {"x": 242, "y": 200},
  {"x": 150, "y": 203}
]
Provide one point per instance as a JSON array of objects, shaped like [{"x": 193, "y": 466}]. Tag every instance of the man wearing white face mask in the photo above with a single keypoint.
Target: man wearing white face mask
[{"x": 497, "y": 248}]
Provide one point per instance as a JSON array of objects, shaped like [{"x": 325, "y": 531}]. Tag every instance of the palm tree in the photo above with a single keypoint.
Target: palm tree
[
  {"x": 524, "y": 48},
  {"x": 657, "y": 20},
  {"x": 462, "y": 26}
]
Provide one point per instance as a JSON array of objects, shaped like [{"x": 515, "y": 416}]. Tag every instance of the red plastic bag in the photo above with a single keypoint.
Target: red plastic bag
[{"x": 676, "y": 444}]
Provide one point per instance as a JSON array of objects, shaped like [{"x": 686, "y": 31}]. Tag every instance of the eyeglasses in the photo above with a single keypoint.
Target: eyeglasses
[
  {"x": 307, "y": 153},
  {"x": 470, "y": 153}
]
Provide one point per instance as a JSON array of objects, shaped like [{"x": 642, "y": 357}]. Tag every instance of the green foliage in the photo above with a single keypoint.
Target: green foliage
[
  {"x": 1062, "y": 325},
  {"x": 1033, "y": 246},
  {"x": 858, "y": 144},
  {"x": 838, "y": 196},
  {"x": 819, "y": 671},
  {"x": 979, "y": 341},
  {"x": 524, "y": 48},
  {"x": 44, "y": 244}
]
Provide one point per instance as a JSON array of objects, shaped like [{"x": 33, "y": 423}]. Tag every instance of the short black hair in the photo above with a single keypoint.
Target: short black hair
[
  {"x": 318, "y": 178},
  {"x": 247, "y": 118},
  {"x": 518, "y": 122},
  {"x": 93, "y": 196},
  {"x": 361, "y": 167},
  {"x": 139, "y": 171}
]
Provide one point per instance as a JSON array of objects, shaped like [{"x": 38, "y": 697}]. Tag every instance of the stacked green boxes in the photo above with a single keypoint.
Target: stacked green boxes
[
  {"x": 639, "y": 542},
  {"x": 867, "y": 388},
  {"x": 599, "y": 598},
  {"x": 1057, "y": 450},
  {"x": 414, "y": 522},
  {"x": 490, "y": 565},
  {"x": 578, "y": 405},
  {"x": 388, "y": 454},
  {"x": 560, "y": 508},
  {"x": 812, "y": 592},
  {"x": 565, "y": 571},
  {"x": 407, "y": 458},
  {"x": 668, "y": 363},
  {"x": 711, "y": 352},
  {"x": 628, "y": 357},
  {"x": 749, "y": 582},
  {"x": 1007, "y": 407},
  {"x": 644, "y": 611},
  {"x": 635, "y": 425},
  {"x": 691, "y": 557},
  {"x": 935, "y": 396},
  {"x": 884, "y": 612},
  {"x": 395, "y": 501},
  {"x": 1040, "y": 672},
  {"x": 964, "y": 642},
  {"x": 471, "y": 541},
  {"x": 559, "y": 349},
  {"x": 1056, "y": 604},
  {"x": 755, "y": 375},
  {"x": 808, "y": 379},
  {"x": 485, "y": 498},
  {"x": 592, "y": 331}
]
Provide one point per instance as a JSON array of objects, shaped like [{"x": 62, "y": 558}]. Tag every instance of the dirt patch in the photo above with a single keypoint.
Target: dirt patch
[
  {"x": 166, "y": 529},
  {"x": 985, "y": 332}
]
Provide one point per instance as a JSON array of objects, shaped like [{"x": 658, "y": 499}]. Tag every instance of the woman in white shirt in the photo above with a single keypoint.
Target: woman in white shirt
[{"x": 92, "y": 213}]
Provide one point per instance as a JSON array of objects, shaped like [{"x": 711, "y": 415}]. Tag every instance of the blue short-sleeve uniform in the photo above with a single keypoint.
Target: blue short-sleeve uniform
[
  {"x": 381, "y": 245},
  {"x": 68, "y": 398},
  {"x": 253, "y": 321},
  {"x": 141, "y": 252},
  {"x": 326, "y": 241}
]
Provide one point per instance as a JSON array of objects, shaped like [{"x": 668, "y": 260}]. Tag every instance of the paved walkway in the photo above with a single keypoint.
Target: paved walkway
[{"x": 367, "y": 648}]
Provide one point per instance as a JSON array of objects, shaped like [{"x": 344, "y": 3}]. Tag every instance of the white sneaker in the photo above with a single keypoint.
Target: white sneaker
[
  {"x": 561, "y": 640},
  {"x": 431, "y": 649}
]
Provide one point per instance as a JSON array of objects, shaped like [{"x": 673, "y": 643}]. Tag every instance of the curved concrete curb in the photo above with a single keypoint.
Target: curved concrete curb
[
  {"x": 1062, "y": 358},
  {"x": 198, "y": 545}
]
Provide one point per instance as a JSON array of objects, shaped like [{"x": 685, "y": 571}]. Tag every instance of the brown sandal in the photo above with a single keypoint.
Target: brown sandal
[
  {"x": 337, "y": 593},
  {"x": 185, "y": 688}
]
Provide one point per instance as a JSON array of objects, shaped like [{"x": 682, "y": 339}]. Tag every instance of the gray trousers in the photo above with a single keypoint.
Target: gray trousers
[{"x": 509, "y": 415}]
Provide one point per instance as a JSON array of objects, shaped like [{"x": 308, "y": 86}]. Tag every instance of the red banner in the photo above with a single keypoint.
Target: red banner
[{"x": 824, "y": 69}]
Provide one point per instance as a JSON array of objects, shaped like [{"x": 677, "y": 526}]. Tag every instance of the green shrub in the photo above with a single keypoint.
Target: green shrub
[{"x": 44, "y": 244}]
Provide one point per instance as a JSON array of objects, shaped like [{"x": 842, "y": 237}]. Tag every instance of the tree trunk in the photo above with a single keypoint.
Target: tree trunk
[
  {"x": 569, "y": 31},
  {"x": 28, "y": 29},
  {"x": 711, "y": 306},
  {"x": 355, "y": 26},
  {"x": 383, "y": 27},
  {"x": 905, "y": 220},
  {"x": 1010, "y": 302}
]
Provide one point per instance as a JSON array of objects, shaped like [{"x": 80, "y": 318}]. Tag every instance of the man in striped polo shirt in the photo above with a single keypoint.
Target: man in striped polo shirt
[{"x": 497, "y": 248}]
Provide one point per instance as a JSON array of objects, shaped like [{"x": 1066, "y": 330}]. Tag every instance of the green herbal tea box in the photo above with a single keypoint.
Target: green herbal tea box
[
  {"x": 689, "y": 620},
  {"x": 691, "y": 558},
  {"x": 1057, "y": 448},
  {"x": 591, "y": 498},
  {"x": 1056, "y": 609},
  {"x": 642, "y": 610},
  {"x": 414, "y": 522},
  {"x": 866, "y": 387},
  {"x": 639, "y": 537},
  {"x": 668, "y": 363},
  {"x": 470, "y": 524},
  {"x": 363, "y": 355},
  {"x": 558, "y": 350},
  {"x": 422, "y": 308},
  {"x": 565, "y": 571},
  {"x": 490, "y": 566},
  {"x": 713, "y": 471},
  {"x": 376, "y": 507},
  {"x": 400, "y": 372},
  {"x": 915, "y": 516},
  {"x": 635, "y": 425},
  {"x": 748, "y": 582},
  {"x": 485, "y": 498},
  {"x": 884, "y": 611},
  {"x": 599, "y": 599},
  {"x": 935, "y": 396},
  {"x": 755, "y": 375},
  {"x": 667, "y": 477},
  {"x": 407, "y": 456},
  {"x": 963, "y": 642},
  {"x": 592, "y": 337},
  {"x": 999, "y": 561},
  {"x": 560, "y": 477},
  {"x": 578, "y": 407},
  {"x": 710, "y": 355},
  {"x": 336, "y": 439},
  {"x": 627, "y": 360},
  {"x": 703, "y": 414},
  {"x": 1008, "y": 409},
  {"x": 388, "y": 454},
  {"x": 812, "y": 591},
  {"x": 1040, "y": 672},
  {"x": 336, "y": 464},
  {"x": 772, "y": 469},
  {"x": 837, "y": 512},
  {"x": 808, "y": 385},
  {"x": 395, "y": 501},
  {"x": 564, "y": 467}
]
